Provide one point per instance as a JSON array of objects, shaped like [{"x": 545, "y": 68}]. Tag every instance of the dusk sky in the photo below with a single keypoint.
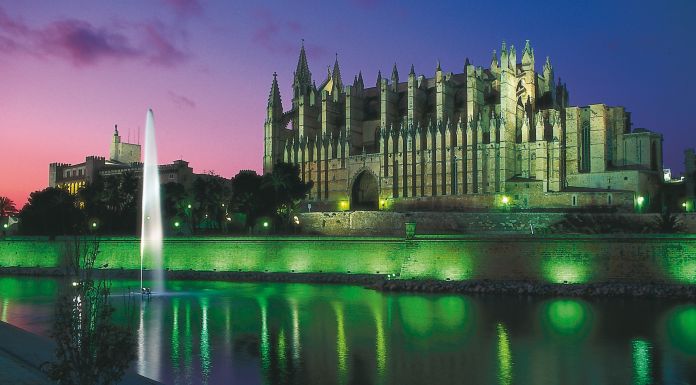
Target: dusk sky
[{"x": 70, "y": 70}]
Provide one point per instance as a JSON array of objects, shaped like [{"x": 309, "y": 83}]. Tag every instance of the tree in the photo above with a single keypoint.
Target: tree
[
  {"x": 7, "y": 207},
  {"x": 211, "y": 194},
  {"x": 175, "y": 202},
  {"x": 52, "y": 212},
  {"x": 246, "y": 197},
  {"x": 283, "y": 189},
  {"x": 90, "y": 348}
]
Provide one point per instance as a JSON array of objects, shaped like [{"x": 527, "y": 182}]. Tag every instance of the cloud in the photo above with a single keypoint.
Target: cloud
[
  {"x": 366, "y": 4},
  {"x": 280, "y": 37},
  {"x": 185, "y": 7},
  {"x": 181, "y": 100},
  {"x": 81, "y": 43}
]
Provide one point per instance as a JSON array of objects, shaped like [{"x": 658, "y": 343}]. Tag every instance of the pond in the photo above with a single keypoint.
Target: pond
[{"x": 206, "y": 332}]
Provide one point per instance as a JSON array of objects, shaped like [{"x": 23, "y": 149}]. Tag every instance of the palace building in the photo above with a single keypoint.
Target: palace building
[
  {"x": 505, "y": 135},
  {"x": 123, "y": 157}
]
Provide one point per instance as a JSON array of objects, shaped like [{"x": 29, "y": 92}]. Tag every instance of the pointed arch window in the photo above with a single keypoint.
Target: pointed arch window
[{"x": 585, "y": 148}]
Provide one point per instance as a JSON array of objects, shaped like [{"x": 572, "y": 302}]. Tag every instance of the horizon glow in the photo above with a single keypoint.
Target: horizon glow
[{"x": 72, "y": 70}]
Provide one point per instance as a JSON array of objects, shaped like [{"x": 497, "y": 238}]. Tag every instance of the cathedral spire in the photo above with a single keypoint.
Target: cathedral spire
[
  {"x": 336, "y": 75},
  {"x": 394, "y": 78},
  {"x": 303, "y": 77},
  {"x": 275, "y": 105},
  {"x": 527, "y": 57},
  {"x": 503, "y": 56},
  {"x": 379, "y": 78},
  {"x": 361, "y": 84},
  {"x": 494, "y": 60},
  {"x": 438, "y": 66},
  {"x": 413, "y": 71}
]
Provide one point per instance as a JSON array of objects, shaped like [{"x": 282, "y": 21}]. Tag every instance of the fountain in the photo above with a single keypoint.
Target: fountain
[{"x": 151, "y": 224}]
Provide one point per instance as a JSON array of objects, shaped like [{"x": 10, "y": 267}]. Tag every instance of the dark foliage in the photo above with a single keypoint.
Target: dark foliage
[
  {"x": 211, "y": 196},
  {"x": 90, "y": 348},
  {"x": 594, "y": 223},
  {"x": 247, "y": 195},
  {"x": 51, "y": 212},
  {"x": 282, "y": 191},
  {"x": 7, "y": 207}
]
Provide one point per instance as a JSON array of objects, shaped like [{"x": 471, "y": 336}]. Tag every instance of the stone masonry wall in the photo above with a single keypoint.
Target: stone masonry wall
[
  {"x": 392, "y": 223},
  {"x": 558, "y": 259}
]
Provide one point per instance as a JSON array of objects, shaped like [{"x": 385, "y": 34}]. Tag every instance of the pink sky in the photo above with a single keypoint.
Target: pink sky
[{"x": 70, "y": 70}]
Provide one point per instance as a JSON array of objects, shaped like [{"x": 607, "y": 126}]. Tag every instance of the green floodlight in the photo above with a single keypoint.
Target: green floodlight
[
  {"x": 177, "y": 224},
  {"x": 5, "y": 225},
  {"x": 94, "y": 225},
  {"x": 189, "y": 206},
  {"x": 505, "y": 200},
  {"x": 640, "y": 200},
  {"x": 265, "y": 224}
]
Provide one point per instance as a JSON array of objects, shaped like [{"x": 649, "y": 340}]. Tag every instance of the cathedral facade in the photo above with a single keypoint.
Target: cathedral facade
[{"x": 503, "y": 135}]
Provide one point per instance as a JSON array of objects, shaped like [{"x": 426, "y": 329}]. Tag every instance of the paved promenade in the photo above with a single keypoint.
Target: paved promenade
[{"x": 22, "y": 353}]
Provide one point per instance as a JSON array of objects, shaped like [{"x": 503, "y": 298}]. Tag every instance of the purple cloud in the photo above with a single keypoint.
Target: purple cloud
[
  {"x": 82, "y": 43},
  {"x": 282, "y": 37},
  {"x": 185, "y": 7},
  {"x": 162, "y": 50},
  {"x": 181, "y": 100}
]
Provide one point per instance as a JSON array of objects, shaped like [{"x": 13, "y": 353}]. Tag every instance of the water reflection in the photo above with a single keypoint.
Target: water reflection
[
  {"x": 341, "y": 346},
  {"x": 380, "y": 341},
  {"x": 205, "y": 343},
  {"x": 222, "y": 333},
  {"x": 295, "y": 331},
  {"x": 641, "y": 362},
  {"x": 5, "y": 305},
  {"x": 568, "y": 319},
  {"x": 504, "y": 356}
]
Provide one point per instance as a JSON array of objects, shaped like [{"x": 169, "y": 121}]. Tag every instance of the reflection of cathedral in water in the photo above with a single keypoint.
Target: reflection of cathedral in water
[{"x": 466, "y": 137}]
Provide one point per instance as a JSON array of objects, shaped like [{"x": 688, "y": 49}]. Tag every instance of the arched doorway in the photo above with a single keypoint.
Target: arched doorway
[{"x": 364, "y": 194}]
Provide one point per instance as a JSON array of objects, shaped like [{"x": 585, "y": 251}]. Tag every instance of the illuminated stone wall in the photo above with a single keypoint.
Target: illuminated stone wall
[
  {"x": 392, "y": 223},
  {"x": 547, "y": 258}
]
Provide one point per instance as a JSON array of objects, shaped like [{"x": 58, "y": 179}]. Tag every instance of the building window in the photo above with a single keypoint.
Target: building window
[
  {"x": 585, "y": 159},
  {"x": 171, "y": 176},
  {"x": 574, "y": 202}
]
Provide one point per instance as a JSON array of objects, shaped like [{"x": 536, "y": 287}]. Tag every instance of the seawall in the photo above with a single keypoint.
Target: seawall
[
  {"x": 669, "y": 259},
  {"x": 454, "y": 222}
]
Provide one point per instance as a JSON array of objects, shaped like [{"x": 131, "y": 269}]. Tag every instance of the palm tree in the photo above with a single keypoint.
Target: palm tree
[{"x": 7, "y": 207}]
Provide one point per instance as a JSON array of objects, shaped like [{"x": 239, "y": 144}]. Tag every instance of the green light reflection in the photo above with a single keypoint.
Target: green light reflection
[
  {"x": 504, "y": 356},
  {"x": 416, "y": 314},
  {"x": 641, "y": 362},
  {"x": 281, "y": 352},
  {"x": 206, "y": 364},
  {"x": 189, "y": 342},
  {"x": 265, "y": 344},
  {"x": 5, "y": 306},
  {"x": 380, "y": 342},
  {"x": 341, "y": 346},
  {"x": 175, "y": 335},
  {"x": 681, "y": 328},
  {"x": 567, "y": 318},
  {"x": 295, "y": 331}
]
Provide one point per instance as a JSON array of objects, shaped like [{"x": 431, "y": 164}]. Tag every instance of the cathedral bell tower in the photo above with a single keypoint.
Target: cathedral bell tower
[{"x": 272, "y": 151}]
